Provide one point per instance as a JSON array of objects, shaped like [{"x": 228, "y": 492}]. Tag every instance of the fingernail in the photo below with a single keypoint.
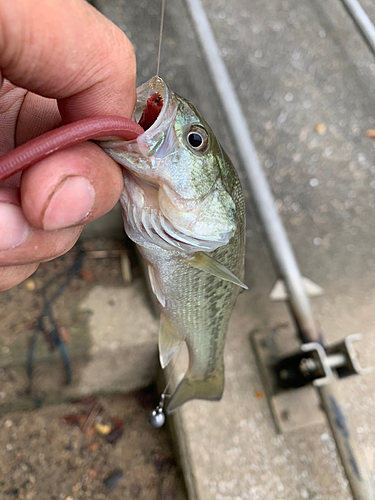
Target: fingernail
[
  {"x": 70, "y": 204},
  {"x": 13, "y": 226}
]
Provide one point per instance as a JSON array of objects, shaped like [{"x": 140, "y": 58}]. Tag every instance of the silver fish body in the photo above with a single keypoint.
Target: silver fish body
[{"x": 183, "y": 206}]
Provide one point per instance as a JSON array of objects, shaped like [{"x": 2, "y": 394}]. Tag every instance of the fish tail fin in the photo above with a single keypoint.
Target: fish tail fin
[{"x": 191, "y": 387}]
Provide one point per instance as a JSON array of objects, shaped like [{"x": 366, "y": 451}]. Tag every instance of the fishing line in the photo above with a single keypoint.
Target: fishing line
[
  {"x": 157, "y": 416},
  {"x": 160, "y": 34}
]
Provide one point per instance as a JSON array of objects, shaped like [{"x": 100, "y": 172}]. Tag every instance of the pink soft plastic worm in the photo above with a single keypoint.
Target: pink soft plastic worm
[{"x": 35, "y": 150}]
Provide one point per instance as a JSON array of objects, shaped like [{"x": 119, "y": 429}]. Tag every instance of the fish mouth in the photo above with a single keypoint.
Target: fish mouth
[
  {"x": 158, "y": 124},
  {"x": 154, "y": 86}
]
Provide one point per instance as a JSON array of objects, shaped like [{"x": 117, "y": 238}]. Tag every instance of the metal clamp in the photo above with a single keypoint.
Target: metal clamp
[
  {"x": 315, "y": 363},
  {"x": 341, "y": 356}
]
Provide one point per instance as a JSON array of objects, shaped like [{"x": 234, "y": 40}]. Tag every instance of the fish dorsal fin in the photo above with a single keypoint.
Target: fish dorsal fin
[
  {"x": 155, "y": 285},
  {"x": 169, "y": 340},
  {"x": 206, "y": 263}
]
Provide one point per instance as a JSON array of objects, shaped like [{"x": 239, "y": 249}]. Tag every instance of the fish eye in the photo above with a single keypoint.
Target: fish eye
[{"x": 197, "y": 139}]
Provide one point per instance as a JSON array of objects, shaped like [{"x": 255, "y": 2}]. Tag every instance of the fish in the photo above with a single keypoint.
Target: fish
[{"x": 183, "y": 207}]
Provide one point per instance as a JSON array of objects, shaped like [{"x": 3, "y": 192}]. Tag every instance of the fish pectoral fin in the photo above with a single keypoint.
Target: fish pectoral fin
[
  {"x": 169, "y": 340},
  {"x": 206, "y": 263},
  {"x": 191, "y": 387}
]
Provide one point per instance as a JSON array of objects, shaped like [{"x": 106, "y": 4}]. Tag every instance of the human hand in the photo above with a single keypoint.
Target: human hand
[{"x": 60, "y": 61}]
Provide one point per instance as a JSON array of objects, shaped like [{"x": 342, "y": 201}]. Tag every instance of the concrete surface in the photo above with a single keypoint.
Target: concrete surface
[
  {"x": 306, "y": 82},
  {"x": 110, "y": 331},
  {"x": 44, "y": 458},
  {"x": 123, "y": 347}
]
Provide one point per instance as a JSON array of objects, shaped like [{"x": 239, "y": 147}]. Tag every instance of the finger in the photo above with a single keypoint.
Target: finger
[
  {"x": 21, "y": 244},
  {"x": 67, "y": 50},
  {"x": 71, "y": 187},
  {"x": 24, "y": 115},
  {"x": 11, "y": 276},
  {"x": 10, "y": 195},
  {"x": 36, "y": 116}
]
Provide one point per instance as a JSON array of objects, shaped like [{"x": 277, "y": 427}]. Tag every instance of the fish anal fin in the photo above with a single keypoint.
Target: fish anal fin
[
  {"x": 169, "y": 340},
  {"x": 190, "y": 387},
  {"x": 204, "y": 262}
]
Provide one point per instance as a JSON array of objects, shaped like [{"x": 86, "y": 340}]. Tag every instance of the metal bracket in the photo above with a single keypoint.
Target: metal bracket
[
  {"x": 290, "y": 409},
  {"x": 352, "y": 365},
  {"x": 289, "y": 378},
  {"x": 315, "y": 363}
]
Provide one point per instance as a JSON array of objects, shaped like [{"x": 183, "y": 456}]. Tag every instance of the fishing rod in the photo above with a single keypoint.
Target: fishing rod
[{"x": 363, "y": 22}]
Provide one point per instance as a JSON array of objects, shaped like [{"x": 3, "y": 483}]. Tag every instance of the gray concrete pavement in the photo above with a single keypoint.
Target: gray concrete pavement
[
  {"x": 306, "y": 82},
  {"x": 110, "y": 331}
]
